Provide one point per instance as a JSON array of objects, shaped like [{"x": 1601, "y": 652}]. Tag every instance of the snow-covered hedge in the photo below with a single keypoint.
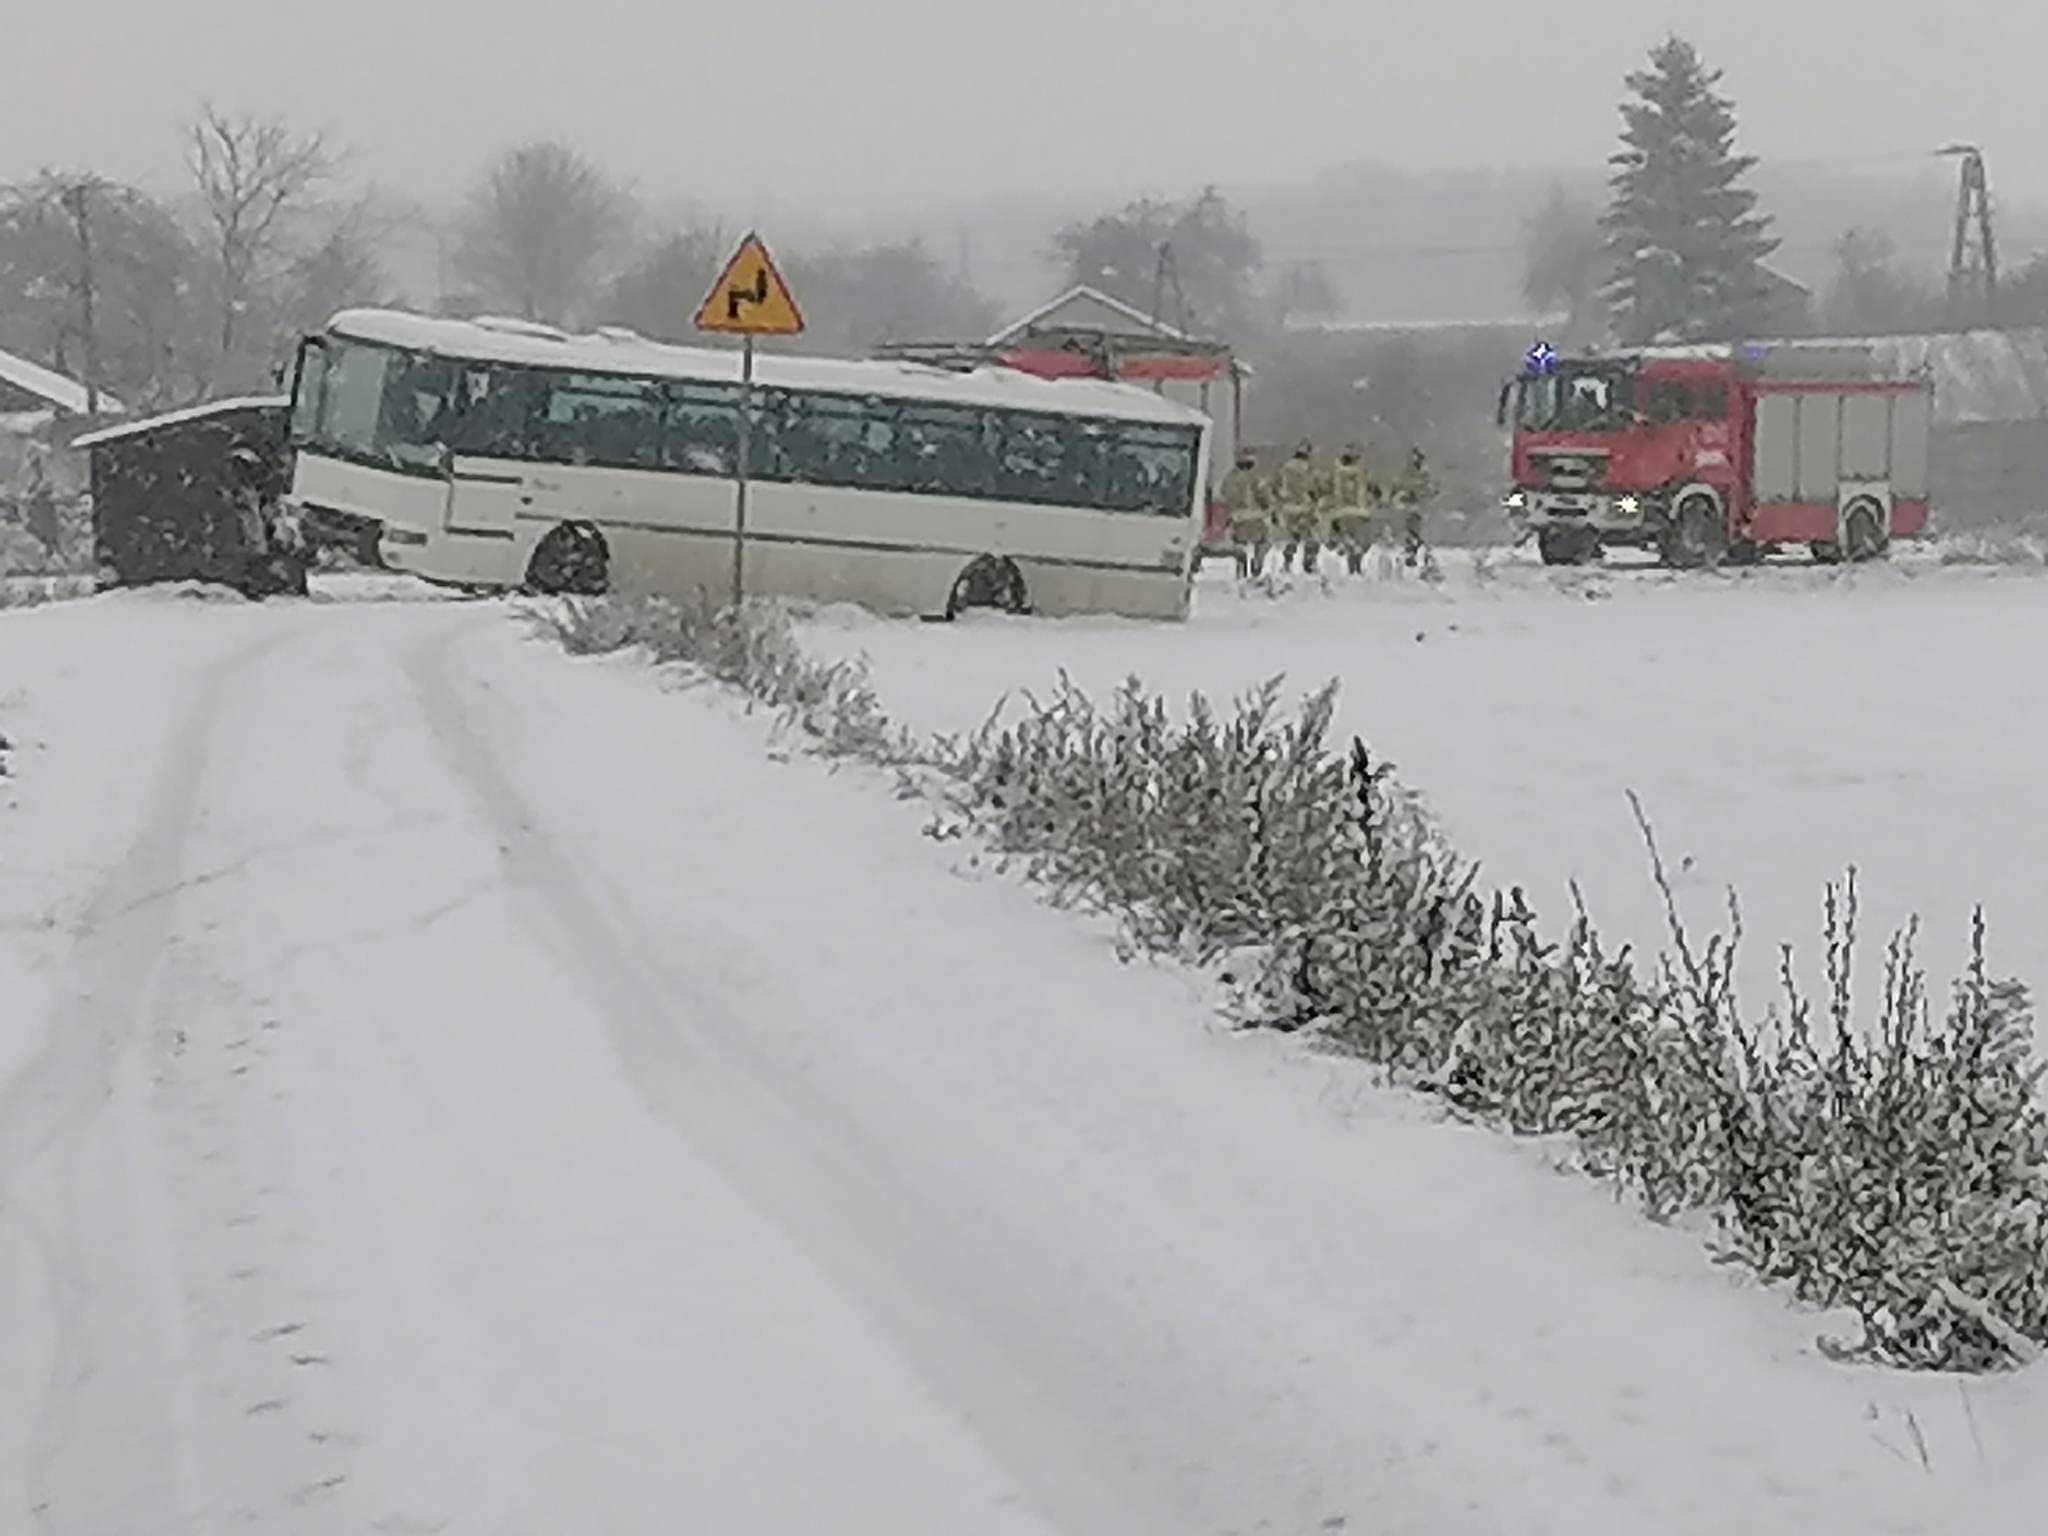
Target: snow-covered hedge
[
  {"x": 1895, "y": 1164},
  {"x": 753, "y": 650}
]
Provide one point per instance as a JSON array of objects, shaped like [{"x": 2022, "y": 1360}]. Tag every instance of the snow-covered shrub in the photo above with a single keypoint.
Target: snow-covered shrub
[
  {"x": 753, "y": 649},
  {"x": 1197, "y": 834},
  {"x": 30, "y": 591},
  {"x": 1897, "y": 1167},
  {"x": 2006, "y": 545}
]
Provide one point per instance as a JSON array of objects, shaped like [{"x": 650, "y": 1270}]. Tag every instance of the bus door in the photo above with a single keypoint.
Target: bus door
[{"x": 488, "y": 485}]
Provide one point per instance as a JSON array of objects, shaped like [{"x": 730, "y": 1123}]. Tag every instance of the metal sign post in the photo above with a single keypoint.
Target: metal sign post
[
  {"x": 749, "y": 299},
  {"x": 739, "y": 528}
]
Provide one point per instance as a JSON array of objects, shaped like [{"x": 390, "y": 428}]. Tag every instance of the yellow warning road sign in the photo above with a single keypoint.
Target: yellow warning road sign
[{"x": 750, "y": 298}]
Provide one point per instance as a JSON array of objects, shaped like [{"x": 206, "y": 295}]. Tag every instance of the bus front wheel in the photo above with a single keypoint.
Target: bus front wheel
[
  {"x": 570, "y": 560},
  {"x": 989, "y": 582}
]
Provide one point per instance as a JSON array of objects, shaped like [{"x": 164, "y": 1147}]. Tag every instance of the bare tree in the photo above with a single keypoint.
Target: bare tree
[
  {"x": 1304, "y": 291},
  {"x": 856, "y": 297},
  {"x": 659, "y": 293},
  {"x": 144, "y": 279},
  {"x": 538, "y": 225},
  {"x": 335, "y": 265},
  {"x": 1873, "y": 293},
  {"x": 1189, "y": 262},
  {"x": 255, "y": 176}
]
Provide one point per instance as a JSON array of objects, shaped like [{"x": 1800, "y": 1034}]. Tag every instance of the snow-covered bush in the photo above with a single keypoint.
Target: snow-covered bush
[
  {"x": 1896, "y": 1166},
  {"x": 31, "y": 591},
  {"x": 2002, "y": 545},
  {"x": 753, "y": 649},
  {"x": 1899, "y": 1167}
]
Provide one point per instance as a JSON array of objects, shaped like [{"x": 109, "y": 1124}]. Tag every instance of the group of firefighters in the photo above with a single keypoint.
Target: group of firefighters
[{"x": 1307, "y": 504}]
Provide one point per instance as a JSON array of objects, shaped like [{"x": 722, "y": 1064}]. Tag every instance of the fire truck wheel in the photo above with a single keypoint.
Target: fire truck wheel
[
  {"x": 1825, "y": 552},
  {"x": 1567, "y": 546},
  {"x": 1863, "y": 532},
  {"x": 1695, "y": 539}
]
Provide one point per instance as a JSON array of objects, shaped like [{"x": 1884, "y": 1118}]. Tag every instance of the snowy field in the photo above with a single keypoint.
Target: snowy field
[
  {"x": 445, "y": 1086},
  {"x": 1779, "y": 725}
]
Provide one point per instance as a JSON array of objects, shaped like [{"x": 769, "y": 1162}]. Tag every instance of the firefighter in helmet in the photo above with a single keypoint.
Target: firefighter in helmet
[
  {"x": 1415, "y": 491},
  {"x": 1249, "y": 502},
  {"x": 1351, "y": 508},
  {"x": 1302, "y": 498}
]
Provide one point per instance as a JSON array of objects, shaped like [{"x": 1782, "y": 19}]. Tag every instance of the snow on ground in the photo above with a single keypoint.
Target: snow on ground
[
  {"x": 468, "y": 1089},
  {"x": 1779, "y": 725},
  {"x": 327, "y": 1201}
]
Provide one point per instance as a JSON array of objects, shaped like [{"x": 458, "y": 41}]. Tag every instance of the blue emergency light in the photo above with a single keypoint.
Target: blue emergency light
[{"x": 1541, "y": 361}]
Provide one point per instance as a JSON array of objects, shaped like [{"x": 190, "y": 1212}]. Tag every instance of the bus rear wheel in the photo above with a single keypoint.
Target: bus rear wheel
[
  {"x": 988, "y": 582},
  {"x": 571, "y": 560}
]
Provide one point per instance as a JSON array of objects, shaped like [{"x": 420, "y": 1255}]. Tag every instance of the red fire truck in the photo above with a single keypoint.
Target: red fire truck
[{"x": 1714, "y": 454}]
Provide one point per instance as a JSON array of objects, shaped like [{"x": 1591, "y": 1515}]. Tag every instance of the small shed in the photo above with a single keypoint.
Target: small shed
[{"x": 162, "y": 500}]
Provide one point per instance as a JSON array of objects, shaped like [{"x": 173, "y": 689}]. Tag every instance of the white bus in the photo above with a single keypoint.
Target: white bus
[{"x": 499, "y": 454}]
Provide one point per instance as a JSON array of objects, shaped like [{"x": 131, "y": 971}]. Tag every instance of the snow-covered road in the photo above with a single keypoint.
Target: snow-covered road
[{"x": 448, "y": 1087}]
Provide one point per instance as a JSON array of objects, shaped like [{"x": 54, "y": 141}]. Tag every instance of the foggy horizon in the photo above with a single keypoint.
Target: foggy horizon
[{"x": 928, "y": 109}]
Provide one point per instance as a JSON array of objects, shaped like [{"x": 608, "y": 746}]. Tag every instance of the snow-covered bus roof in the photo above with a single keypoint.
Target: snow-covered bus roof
[{"x": 622, "y": 352}]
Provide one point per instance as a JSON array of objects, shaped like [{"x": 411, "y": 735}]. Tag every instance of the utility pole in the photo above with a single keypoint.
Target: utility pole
[
  {"x": 76, "y": 198},
  {"x": 1973, "y": 254}
]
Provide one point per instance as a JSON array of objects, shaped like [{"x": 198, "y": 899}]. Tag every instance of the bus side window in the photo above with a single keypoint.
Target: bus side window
[
  {"x": 701, "y": 435},
  {"x": 602, "y": 419},
  {"x": 1160, "y": 466},
  {"x": 823, "y": 441},
  {"x": 881, "y": 465},
  {"x": 1086, "y": 481},
  {"x": 1030, "y": 458},
  {"x": 945, "y": 455},
  {"x": 492, "y": 406}
]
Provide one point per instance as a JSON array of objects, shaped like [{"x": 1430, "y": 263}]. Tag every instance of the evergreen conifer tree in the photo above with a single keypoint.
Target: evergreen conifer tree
[{"x": 1685, "y": 243}]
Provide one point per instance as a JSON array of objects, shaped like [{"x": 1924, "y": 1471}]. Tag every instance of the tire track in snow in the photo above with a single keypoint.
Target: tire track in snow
[
  {"x": 50, "y": 1107},
  {"x": 792, "y": 1153}
]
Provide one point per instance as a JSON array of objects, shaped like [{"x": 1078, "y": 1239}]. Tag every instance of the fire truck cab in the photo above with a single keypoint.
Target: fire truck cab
[{"x": 1714, "y": 454}]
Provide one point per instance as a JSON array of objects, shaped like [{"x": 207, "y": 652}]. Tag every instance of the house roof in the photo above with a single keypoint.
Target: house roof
[
  {"x": 1531, "y": 325},
  {"x": 1147, "y": 324},
  {"x": 55, "y": 389},
  {"x": 1779, "y": 283},
  {"x": 1981, "y": 378}
]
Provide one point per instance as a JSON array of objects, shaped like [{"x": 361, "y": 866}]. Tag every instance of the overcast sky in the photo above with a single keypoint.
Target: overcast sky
[{"x": 871, "y": 105}]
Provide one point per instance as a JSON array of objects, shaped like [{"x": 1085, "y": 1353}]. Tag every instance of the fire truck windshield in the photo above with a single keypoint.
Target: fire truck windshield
[{"x": 1577, "y": 397}]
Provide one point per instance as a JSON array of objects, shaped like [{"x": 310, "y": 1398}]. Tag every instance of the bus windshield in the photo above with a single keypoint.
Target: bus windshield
[
  {"x": 375, "y": 404},
  {"x": 1577, "y": 397}
]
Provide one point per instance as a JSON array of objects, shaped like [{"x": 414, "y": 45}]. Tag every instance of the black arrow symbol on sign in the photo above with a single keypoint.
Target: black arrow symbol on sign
[{"x": 736, "y": 296}]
